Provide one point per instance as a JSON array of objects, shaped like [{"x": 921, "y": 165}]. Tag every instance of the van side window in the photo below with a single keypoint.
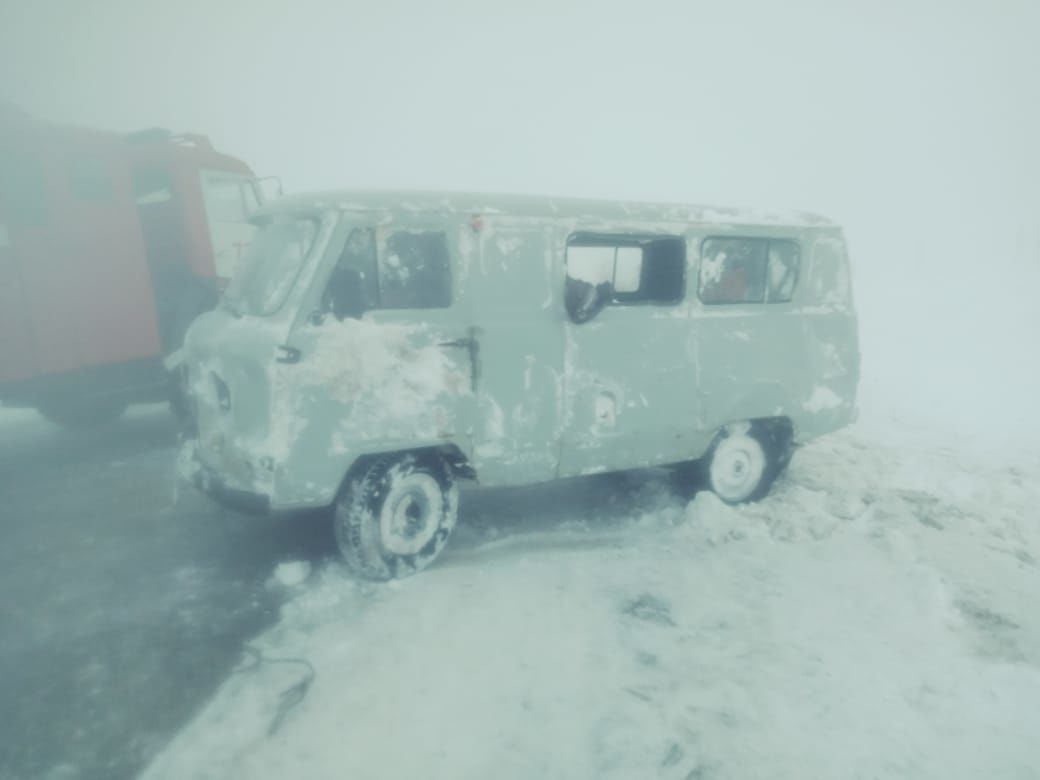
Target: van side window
[
  {"x": 354, "y": 281},
  {"x": 828, "y": 273},
  {"x": 621, "y": 270},
  {"x": 415, "y": 271},
  {"x": 748, "y": 270},
  {"x": 784, "y": 264}
]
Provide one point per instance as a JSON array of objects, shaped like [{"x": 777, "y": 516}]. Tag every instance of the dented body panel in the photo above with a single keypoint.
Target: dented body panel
[{"x": 463, "y": 338}]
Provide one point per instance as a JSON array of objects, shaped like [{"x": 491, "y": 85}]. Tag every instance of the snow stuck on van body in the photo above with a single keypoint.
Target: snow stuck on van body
[
  {"x": 874, "y": 617},
  {"x": 392, "y": 377}
]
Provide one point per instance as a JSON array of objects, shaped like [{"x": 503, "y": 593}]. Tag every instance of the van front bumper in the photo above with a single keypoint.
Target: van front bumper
[{"x": 208, "y": 481}]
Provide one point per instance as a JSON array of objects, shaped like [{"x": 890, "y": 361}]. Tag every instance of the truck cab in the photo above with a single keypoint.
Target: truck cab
[{"x": 110, "y": 245}]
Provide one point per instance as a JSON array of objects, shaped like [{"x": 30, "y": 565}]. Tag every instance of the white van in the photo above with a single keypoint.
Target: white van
[{"x": 375, "y": 347}]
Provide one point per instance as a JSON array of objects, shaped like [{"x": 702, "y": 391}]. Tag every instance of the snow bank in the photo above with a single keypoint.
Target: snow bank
[
  {"x": 291, "y": 574},
  {"x": 875, "y": 617}
]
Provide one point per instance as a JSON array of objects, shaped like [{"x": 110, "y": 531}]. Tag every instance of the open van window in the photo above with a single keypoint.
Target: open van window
[
  {"x": 623, "y": 270},
  {"x": 271, "y": 264}
]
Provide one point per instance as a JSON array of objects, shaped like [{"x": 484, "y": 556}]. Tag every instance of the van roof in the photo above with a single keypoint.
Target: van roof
[{"x": 465, "y": 203}]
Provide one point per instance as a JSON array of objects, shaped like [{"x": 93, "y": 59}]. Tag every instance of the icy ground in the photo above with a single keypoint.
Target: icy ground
[
  {"x": 122, "y": 609},
  {"x": 876, "y": 616}
]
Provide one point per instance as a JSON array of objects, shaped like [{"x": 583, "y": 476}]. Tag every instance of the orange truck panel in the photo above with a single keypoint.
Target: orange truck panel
[{"x": 82, "y": 264}]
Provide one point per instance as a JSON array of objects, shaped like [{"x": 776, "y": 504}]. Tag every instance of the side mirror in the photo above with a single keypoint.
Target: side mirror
[
  {"x": 585, "y": 300},
  {"x": 345, "y": 295}
]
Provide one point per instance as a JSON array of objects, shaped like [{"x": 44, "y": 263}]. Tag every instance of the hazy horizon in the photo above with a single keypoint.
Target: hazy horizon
[{"x": 912, "y": 125}]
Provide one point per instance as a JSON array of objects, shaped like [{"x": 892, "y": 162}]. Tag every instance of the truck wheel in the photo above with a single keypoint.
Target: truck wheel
[
  {"x": 394, "y": 516},
  {"x": 742, "y": 463},
  {"x": 82, "y": 413}
]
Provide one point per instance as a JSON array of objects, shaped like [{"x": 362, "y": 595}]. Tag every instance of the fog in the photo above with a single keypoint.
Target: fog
[
  {"x": 915, "y": 125},
  {"x": 912, "y": 124}
]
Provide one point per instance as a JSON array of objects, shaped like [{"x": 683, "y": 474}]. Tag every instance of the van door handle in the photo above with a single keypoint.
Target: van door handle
[
  {"x": 472, "y": 346},
  {"x": 287, "y": 354},
  {"x": 460, "y": 343}
]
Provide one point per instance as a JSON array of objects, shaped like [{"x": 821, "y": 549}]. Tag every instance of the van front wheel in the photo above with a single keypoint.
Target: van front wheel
[
  {"x": 742, "y": 463},
  {"x": 394, "y": 516}
]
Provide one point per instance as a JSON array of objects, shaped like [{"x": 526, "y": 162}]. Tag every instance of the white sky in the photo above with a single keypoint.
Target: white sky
[{"x": 916, "y": 124}]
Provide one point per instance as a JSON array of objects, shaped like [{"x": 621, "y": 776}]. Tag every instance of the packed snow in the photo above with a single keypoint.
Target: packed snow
[
  {"x": 822, "y": 398},
  {"x": 290, "y": 574},
  {"x": 875, "y": 616}
]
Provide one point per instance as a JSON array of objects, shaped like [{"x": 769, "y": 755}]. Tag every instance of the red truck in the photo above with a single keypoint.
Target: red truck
[{"x": 110, "y": 245}]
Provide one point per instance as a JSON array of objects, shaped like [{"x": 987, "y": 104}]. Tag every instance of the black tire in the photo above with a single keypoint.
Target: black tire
[
  {"x": 83, "y": 413},
  {"x": 394, "y": 515},
  {"x": 783, "y": 441},
  {"x": 744, "y": 461}
]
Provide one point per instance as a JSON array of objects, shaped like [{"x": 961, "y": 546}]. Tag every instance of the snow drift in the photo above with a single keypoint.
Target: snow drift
[{"x": 874, "y": 617}]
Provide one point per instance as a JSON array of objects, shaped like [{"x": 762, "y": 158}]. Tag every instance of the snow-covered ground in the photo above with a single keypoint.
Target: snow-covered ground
[{"x": 876, "y": 616}]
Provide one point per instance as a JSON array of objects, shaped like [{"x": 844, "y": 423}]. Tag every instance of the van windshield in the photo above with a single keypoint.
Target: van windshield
[{"x": 270, "y": 265}]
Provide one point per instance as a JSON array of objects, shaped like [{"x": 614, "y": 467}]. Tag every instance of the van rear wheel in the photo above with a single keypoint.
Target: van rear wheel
[
  {"x": 394, "y": 516},
  {"x": 743, "y": 462}
]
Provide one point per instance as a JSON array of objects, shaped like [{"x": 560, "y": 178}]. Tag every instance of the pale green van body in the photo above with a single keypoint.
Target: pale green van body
[{"x": 502, "y": 380}]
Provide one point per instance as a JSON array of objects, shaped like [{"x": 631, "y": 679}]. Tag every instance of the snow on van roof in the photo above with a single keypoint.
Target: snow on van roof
[{"x": 488, "y": 204}]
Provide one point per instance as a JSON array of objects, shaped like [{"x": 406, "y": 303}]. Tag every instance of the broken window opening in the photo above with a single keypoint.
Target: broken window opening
[{"x": 623, "y": 270}]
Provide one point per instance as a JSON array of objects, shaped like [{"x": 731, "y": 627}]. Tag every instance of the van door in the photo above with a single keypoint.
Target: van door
[
  {"x": 388, "y": 362},
  {"x": 750, "y": 328},
  {"x": 419, "y": 297},
  {"x": 514, "y": 292},
  {"x": 630, "y": 374}
]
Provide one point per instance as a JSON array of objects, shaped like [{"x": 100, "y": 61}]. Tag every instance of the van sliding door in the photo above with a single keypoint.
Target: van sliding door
[
  {"x": 515, "y": 299},
  {"x": 629, "y": 375}
]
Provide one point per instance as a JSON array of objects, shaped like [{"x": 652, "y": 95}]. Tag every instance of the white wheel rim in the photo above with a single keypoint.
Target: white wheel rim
[
  {"x": 411, "y": 514},
  {"x": 737, "y": 467}
]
